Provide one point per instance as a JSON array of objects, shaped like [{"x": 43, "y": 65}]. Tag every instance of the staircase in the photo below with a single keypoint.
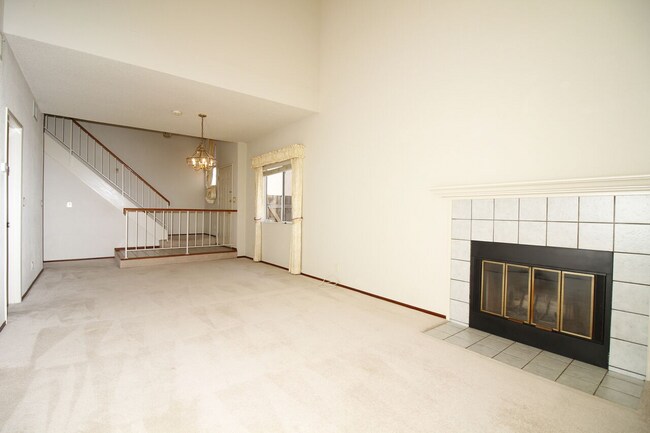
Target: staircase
[
  {"x": 152, "y": 229},
  {"x": 83, "y": 146}
]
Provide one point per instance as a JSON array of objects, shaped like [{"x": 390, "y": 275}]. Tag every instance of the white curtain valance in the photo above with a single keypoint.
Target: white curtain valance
[{"x": 279, "y": 155}]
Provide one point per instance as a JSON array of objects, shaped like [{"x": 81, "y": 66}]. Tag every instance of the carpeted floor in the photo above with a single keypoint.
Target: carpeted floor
[{"x": 233, "y": 346}]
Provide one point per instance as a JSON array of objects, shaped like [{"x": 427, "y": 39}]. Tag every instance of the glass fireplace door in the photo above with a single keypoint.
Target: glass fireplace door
[
  {"x": 517, "y": 293},
  {"x": 546, "y": 298},
  {"x": 492, "y": 287},
  {"x": 577, "y": 304}
]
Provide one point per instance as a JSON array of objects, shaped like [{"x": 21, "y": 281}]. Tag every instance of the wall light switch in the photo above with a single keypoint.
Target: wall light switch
[
  {"x": 68, "y": 204},
  {"x": 3, "y": 167}
]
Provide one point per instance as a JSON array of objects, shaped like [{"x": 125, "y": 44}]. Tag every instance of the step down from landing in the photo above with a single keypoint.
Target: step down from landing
[{"x": 158, "y": 256}]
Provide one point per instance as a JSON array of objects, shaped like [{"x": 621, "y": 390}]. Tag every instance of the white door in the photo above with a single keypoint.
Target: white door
[
  {"x": 224, "y": 201},
  {"x": 3, "y": 224},
  {"x": 14, "y": 209}
]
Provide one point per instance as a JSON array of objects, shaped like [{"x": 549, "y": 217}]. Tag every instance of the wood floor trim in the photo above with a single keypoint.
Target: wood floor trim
[
  {"x": 233, "y": 250},
  {"x": 383, "y": 298},
  {"x": 78, "y": 260}
]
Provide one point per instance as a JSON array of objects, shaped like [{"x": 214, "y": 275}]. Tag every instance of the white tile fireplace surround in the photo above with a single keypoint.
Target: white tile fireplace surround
[{"x": 617, "y": 223}]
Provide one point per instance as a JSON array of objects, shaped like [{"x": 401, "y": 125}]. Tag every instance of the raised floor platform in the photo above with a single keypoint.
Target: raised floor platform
[{"x": 158, "y": 256}]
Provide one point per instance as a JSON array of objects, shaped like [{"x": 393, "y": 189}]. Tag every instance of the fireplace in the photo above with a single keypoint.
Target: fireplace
[{"x": 556, "y": 299}]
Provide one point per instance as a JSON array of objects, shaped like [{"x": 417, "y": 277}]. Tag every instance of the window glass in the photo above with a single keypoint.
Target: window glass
[
  {"x": 277, "y": 192},
  {"x": 213, "y": 180},
  {"x": 274, "y": 187}
]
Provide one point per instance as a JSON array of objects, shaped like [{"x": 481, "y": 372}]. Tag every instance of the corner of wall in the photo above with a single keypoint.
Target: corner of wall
[{"x": 242, "y": 198}]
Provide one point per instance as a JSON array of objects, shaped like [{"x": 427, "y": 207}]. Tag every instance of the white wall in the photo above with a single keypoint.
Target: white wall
[
  {"x": 92, "y": 227},
  {"x": 16, "y": 95},
  {"x": 261, "y": 48},
  {"x": 159, "y": 160},
  {"x": 275, "y": 243},
  {"x": 427, "y": 93}
]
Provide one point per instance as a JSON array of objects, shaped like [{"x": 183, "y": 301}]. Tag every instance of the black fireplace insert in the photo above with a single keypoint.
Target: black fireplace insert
[{"x": 556, "y": 299}]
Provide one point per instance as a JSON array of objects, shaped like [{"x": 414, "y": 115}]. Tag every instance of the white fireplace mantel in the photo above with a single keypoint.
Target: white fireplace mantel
[{"x": 584, "y": 186}]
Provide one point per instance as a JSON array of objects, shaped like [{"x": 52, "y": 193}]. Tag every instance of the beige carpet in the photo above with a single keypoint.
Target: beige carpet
[{"x": 233, "y": 346}]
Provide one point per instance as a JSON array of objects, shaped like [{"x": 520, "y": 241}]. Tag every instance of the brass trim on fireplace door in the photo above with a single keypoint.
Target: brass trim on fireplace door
[
  {"x": 591, "y": 306},
  {"x": 532, "y": 299},
  {"x": 505, "y": 293},
  {"x": 503, "y": 280}
]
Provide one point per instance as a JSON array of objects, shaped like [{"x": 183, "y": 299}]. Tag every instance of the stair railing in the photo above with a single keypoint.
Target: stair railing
[
  {"x": 92, "y": 152},
  {"x": 178, "y": 229}
]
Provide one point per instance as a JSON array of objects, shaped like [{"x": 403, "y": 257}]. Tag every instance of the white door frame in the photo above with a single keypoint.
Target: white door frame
[
  {"x": 13, "y": 193},
  {"x": 3, "y": 225},
  {"x": 226, "y": 225}
]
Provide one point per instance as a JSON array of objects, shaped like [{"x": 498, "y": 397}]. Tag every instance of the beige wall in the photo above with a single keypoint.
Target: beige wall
[
  {"x": 257, "y": 47},
  {"x": 428, "y": 93}
]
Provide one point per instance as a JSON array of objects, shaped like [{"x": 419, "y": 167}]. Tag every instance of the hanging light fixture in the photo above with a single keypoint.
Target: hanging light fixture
[{"x": 201, "y": 159}]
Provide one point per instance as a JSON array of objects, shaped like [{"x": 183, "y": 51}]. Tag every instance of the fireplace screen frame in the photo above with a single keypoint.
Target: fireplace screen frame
[{"x": 594, "y": 350}]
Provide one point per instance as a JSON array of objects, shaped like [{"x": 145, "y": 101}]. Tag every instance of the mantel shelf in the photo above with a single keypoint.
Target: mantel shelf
[{"x": 585, "y": 186}]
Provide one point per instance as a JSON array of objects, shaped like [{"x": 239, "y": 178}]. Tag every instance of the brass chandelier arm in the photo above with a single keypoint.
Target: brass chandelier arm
[{"x": 202, "y": 158}]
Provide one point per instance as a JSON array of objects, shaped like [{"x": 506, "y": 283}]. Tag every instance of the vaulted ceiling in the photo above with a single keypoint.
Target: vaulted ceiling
[
  {"x": 250, "y": 65},
  {"x": 80, "y": 85}
]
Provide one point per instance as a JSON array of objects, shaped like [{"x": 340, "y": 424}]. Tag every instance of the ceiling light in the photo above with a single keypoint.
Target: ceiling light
[
  {"x": 201, "y": 158},
  {"x": 177, "y": 112}
]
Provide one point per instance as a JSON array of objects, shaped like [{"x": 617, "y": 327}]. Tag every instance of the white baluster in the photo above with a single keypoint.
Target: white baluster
[
  {"x": 187, "y": 233},
  {"x": 126, "y": 236}
]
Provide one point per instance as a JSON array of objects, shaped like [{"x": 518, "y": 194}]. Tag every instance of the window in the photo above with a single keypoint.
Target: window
[
  {"x": 213, "y": 178},
  {"x": 277, "y": 192}
]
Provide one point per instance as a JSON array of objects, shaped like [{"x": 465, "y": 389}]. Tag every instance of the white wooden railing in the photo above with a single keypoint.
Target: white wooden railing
[
  {"x": 92, "y": 152},
  {"x": 179, "y": 229}
]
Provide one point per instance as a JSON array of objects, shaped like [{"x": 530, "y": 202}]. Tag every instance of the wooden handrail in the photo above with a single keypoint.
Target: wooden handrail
[
  {"x": 120, "y": 160},
  {"x": 169, "y": 209}
]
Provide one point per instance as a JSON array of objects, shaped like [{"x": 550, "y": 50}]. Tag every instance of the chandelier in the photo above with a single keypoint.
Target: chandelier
[{"x": 201, "y": 159}]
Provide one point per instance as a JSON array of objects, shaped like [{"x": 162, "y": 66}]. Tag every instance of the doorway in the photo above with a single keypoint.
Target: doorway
[
  {"x": 225, "y": 201},
  {"x": 13, "y": 207}
]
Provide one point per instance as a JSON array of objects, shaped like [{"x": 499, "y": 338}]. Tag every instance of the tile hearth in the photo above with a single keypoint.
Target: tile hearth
[{"x": 612, "y": 386}]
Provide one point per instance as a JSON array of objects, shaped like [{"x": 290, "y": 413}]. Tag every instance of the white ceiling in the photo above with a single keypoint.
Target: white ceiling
[{"x": 75, "y": 84}]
